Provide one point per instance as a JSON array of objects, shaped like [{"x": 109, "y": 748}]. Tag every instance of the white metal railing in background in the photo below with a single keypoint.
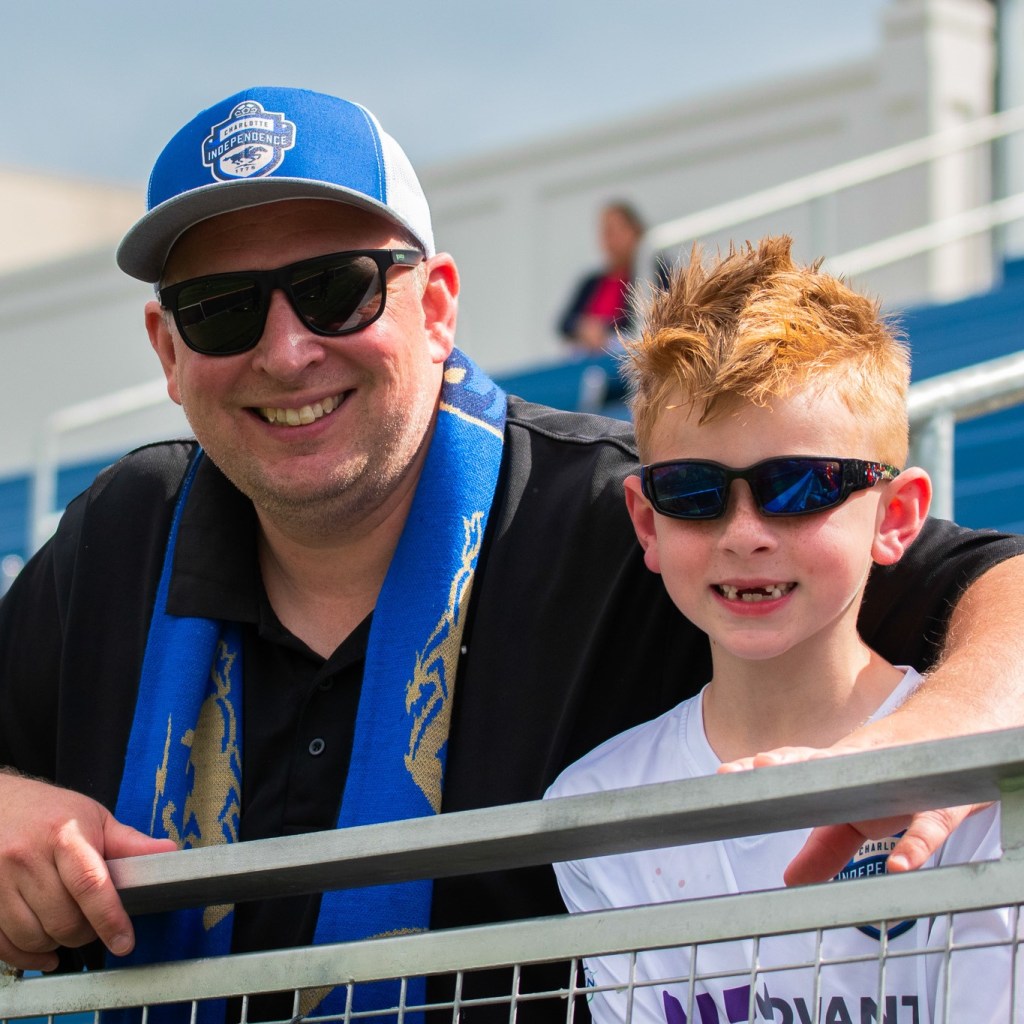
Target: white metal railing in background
[
  {"x": 882, "y": 782},
  {"x": 939, "y": 403},
  {"x": 44, "y": 512},
  {"x": 996, "y": 214},
  {"x": 812, "y": 188}
]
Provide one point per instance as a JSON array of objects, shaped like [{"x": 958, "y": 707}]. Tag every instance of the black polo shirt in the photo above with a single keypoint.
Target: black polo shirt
[{"x": 299, "y": 708}]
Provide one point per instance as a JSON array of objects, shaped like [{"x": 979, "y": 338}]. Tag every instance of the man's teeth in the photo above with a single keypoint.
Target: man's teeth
[
  {"x": 772, "y": 592},
  {"x": 300, "y": 417}
]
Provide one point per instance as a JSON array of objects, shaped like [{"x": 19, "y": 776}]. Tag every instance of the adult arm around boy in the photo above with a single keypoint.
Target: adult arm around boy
[{"x": 983, "y": 642}]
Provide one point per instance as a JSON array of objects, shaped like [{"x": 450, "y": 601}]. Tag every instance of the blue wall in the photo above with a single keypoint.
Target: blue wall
[
  {"x": 16, "y": 498},
  {"x": 988, "y": 451}
]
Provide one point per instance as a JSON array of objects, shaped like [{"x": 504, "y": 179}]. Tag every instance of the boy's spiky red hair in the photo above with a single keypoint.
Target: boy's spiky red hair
[{"x": 752, "y": 325}]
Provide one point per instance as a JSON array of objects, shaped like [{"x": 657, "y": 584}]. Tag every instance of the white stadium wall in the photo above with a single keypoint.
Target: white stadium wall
[
  {"x": 521, "y": 222},
  {"x": 70, "y": 332}
]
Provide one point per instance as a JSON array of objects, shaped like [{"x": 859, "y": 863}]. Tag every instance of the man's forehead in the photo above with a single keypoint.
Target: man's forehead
[{"x": 272, "y": 234}]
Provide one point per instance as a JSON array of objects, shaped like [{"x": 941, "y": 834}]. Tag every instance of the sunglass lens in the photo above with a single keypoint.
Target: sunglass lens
[
  {"x": 339, "y": 296},
  {"x": 690, "y": 490},
  {"x": 791, "y": 486},
  {"x": 220, "y": 315}
]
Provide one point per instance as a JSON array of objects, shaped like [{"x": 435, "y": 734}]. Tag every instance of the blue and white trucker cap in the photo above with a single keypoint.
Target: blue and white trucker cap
[{"x": 266, "y": 144}]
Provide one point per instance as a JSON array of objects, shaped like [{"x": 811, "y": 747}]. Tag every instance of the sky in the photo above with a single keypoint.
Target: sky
[{"x": 93, "y": 89}]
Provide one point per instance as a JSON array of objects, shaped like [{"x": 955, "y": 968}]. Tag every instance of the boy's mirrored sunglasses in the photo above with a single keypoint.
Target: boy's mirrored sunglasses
[
  {"x": 224, "y": 314},
  {"x": 792, "y": 486}
]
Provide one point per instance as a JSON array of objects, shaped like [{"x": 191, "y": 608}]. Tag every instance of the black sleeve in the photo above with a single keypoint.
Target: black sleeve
[
  {"x": 31, "y": 639},
  {"x": 73, "y": 626},
  {"x": 907, "y": 606}
]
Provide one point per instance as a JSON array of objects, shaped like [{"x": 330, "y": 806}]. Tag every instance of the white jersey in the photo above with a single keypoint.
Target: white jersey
[{"x": 675, "y": 747}]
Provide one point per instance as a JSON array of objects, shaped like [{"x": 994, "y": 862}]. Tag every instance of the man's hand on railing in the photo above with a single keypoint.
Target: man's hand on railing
[
  {"x": 55, "y": 889},
  {"x": 829, "y": 848}
]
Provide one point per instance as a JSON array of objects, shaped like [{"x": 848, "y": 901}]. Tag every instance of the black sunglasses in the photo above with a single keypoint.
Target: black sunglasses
[
  {"x": 790, "y": 486},
  {"x": 224, "y": 314}
]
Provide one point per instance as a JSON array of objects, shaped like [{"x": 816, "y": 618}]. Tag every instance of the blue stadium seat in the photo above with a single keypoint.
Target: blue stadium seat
[
  {"x": 584, "y": 385},
  {"x": 989, "y": 451}
]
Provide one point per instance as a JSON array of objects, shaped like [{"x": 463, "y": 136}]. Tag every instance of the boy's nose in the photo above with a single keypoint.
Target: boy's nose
[{"x": 744, "y": 529}]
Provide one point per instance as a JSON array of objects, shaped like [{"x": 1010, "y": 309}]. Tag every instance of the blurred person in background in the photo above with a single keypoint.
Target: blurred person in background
[{"x": 600, "y": 309}]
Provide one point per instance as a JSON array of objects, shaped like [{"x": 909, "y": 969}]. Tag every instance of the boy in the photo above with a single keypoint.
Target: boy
[{"x": 770, "y": 410}]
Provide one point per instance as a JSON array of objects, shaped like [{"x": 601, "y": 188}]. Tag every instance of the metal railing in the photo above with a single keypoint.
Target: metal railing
[
  {"x": 937, "y": 404},
  {"x": 45, "y": 512},
  {"x": 885, "y": 782},
  {"x": 815, "y": 190}
]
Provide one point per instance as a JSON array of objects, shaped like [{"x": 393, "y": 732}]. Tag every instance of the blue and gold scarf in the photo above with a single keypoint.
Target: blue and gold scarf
[{"x": 183, "y": 770}]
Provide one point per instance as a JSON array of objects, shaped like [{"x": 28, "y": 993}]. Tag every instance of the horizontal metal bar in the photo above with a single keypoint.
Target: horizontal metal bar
[
  {"x": 927, "y": 237},
  {"x": 834, "y": 179},
  {"x": 893, "y": 897},
  {"x": 99, "y": 410},
  {"x": 880, "y": 783},
  {"x": 969, "y": 392}
]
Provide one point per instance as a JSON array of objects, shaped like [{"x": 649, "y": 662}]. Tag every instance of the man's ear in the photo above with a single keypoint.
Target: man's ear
[
  {"x": 901, "y": 515},
  {"x": 163, "y": 345},
  {"x": 642, "y": 513},
  {"x": 440, "y": 305}
]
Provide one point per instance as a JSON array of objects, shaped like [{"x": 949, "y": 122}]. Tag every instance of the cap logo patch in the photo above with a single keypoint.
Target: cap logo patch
[{"x": 251, "y": 143}]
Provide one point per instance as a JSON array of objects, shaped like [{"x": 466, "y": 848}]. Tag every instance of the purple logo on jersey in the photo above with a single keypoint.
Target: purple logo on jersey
[
  {"x": 869, "y": 860},
  {"x": 737, "y": 1006},
  {"x": 840, "y": 1009},
  {"x": 251, "y": 143}
]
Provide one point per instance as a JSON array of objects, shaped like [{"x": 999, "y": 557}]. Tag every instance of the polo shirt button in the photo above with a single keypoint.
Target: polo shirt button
[{"x": 317, "y": 747}]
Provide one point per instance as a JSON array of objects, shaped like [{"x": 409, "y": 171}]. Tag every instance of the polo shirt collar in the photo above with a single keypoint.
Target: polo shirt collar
[{"x": 216, "y": 568}]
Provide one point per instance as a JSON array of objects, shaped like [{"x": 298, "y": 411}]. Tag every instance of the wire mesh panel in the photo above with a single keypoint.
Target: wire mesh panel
[{"x": 736, "y": 958}]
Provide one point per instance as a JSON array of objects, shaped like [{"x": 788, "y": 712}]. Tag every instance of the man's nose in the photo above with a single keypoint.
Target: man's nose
[{"x": 287, "y": 346}]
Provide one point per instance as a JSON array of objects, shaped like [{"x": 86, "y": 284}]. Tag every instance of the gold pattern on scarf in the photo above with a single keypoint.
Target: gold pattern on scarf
[
  {"x": 311, "y": 998},
  {"x": 213, "y": 801},
  {"x": 428, "y": 695}
]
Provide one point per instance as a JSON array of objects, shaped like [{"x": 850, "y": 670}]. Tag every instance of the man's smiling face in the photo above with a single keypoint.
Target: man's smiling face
[{"x": 303, "y": 424}]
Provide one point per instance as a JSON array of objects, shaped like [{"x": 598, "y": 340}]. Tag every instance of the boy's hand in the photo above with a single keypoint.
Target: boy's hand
[{"x": 829, "y": 848}]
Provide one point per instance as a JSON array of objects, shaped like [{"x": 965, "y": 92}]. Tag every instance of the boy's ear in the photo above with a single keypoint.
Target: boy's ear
[
  {"x": 901, "y": 515},
  {"x": 642, "y": 513}
]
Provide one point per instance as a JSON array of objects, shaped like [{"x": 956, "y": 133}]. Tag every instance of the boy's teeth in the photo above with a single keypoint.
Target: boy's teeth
[{"x": 772, "y": 592}]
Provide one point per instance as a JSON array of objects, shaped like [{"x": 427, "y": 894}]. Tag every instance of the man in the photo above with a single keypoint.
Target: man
[{"x": 366, "y": 527}]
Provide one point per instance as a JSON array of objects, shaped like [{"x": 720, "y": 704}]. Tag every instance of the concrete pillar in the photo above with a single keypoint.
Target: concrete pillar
[
  {"x": 1010, "y": 94},
  {"x": 938, "y": 71}
]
